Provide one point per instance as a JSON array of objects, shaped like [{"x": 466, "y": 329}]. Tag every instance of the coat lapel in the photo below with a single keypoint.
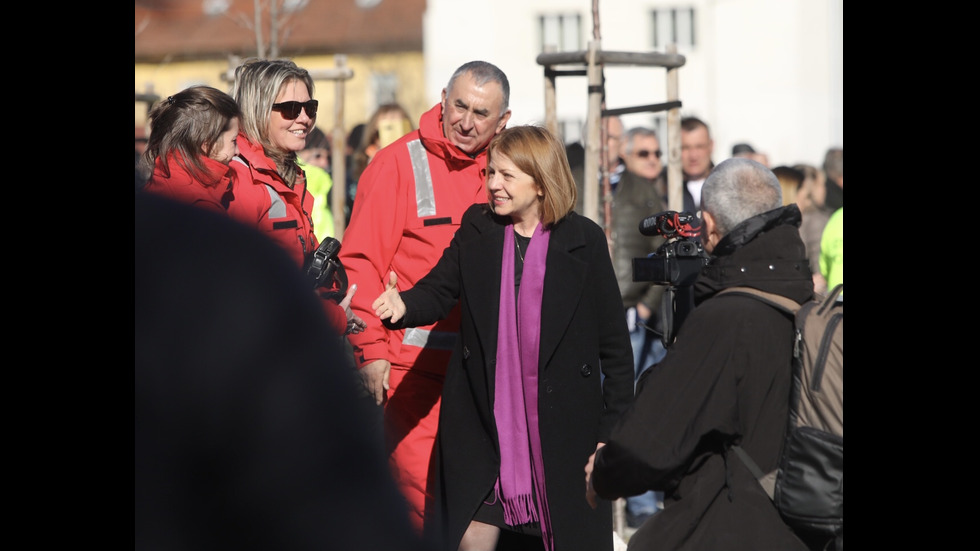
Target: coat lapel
[
  {"x": 481, "y": 271},
  {"x": 564, "y": 284}
]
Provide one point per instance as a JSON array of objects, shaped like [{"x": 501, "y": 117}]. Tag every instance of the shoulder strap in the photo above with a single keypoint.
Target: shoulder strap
[
  {"x": 766, "y": 480},
  {"x": 773, "y": 299}
]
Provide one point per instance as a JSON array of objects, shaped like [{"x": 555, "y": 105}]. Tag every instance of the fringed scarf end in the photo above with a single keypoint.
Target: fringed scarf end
[{"x": 520, "y": 510}]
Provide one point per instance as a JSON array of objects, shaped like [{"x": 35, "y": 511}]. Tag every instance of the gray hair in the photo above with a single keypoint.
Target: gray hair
[
  {"x": 633, "y": 133},
  {"x": 833, "y": 163},
  {"x": 738, "y": 189},
  {"x": 483, "y": 72}
]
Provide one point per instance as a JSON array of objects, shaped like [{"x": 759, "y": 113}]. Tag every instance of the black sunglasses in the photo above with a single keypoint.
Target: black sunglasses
[
  {"x": 291, "y": 109},
  {"x": 644, "y": 153}
]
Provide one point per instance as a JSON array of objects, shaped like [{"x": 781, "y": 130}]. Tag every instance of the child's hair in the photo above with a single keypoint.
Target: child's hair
[{"x": 187, "y": 125}]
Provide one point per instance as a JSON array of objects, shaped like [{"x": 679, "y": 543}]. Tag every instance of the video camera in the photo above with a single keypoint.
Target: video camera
[{"x": 675, "y": 264}]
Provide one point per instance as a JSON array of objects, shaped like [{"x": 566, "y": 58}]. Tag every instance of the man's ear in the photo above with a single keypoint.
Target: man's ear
[
  {"x": 709, "y": 231},
  {"x": 502, "y": 123}
]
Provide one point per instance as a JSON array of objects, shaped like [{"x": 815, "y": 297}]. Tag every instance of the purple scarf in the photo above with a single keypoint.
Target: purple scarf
[{"x": 515, "y": 405}]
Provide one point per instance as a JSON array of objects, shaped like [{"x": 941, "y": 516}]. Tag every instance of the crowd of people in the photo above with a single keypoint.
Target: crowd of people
[{"x": 496, "y": 332}]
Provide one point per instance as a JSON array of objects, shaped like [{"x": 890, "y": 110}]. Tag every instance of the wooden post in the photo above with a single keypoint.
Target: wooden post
[
  {"x": 338, "y": 193},
  {"x": 550, "y": 100},
  {"x": 593, "y": 145},
  {"x": 675, "y": 175}
]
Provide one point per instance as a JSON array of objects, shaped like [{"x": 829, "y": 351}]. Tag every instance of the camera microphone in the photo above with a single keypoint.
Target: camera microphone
[
  {"x": 671, "y": 224},
  {"x": 650, "y": 226}
]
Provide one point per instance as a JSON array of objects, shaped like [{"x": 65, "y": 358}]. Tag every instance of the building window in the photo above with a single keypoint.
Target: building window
[
  {"x": 673, "y": 26},
  {"x": 563, "y": 32}
]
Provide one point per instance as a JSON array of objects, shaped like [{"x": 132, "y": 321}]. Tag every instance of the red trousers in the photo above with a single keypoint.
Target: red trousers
[{"x": 411, "y": 417}]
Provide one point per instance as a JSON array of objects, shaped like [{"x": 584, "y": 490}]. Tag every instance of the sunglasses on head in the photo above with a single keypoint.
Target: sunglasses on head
[
  {"x": 644, "y": 153},
  {"x": 291, "y": 109}
]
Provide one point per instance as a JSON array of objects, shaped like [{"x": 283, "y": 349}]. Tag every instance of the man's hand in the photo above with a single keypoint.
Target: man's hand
[
  {"x": 374, "y": 376},
  {"x": 590, "y": 494},
  {"x": 642, "y": 311},
  {"x": 389, "y": 304}
]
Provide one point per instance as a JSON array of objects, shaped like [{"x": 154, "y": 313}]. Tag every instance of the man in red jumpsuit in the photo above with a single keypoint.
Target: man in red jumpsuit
[{"x": 408, "y": 205}]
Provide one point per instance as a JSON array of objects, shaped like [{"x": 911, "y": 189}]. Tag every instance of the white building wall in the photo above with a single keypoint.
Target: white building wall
[{"x": 766, "y": 72}]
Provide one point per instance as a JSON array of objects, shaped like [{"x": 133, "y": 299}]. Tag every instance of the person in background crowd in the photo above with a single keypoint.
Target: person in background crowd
[
  {"x": 388, "y": 123},
  {"x": 639, "y": 195},
  {"x": 191, "y": 146},
  {"x": 613, "y": 163},
  {"x": 810, "y": 197},
  {"x": 350, "y": 147},
  {"x": 314, "y": 159},
  {"x": 247, "y": 432},
  {"x": 524, "y": 403},
  {"x": 832, "y": 250},
  {"x": 409, "y": 203},
  {"x": 317, "y": 150},
  {"x": 833, "y": 167},
  {"x": 749, "y": 152},
  {"x": 725, "y": 381},
  {"x": 832, "y": 239},
  {"x": 696, "y": 149},
  {"x": 278, "y": 112},
  {"x": 790, "y": 180}
]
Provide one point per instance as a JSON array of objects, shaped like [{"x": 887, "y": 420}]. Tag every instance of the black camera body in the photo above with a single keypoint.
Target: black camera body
[
  {"x": 675, "y": 264},
  {"x": 679, "y": 260}
]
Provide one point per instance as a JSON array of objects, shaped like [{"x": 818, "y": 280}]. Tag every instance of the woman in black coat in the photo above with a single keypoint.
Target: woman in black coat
[{"x": 542, "y": 368}]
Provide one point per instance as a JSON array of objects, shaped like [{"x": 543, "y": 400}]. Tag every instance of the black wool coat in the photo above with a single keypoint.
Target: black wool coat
[
  {"x": 583, "y": 333},
  {"x": 726, "y": 379}
]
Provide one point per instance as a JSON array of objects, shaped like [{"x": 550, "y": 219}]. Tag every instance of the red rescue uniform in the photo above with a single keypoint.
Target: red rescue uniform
[{"x": 408, "y": 206}]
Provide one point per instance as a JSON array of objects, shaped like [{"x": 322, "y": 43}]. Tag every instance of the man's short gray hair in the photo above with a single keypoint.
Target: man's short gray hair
[
  {"x": 738, "y": 189},
  {"x": 484, "y": 72}
]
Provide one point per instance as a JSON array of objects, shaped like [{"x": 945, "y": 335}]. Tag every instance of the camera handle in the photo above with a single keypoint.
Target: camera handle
[{"x": 677, "y": 303}]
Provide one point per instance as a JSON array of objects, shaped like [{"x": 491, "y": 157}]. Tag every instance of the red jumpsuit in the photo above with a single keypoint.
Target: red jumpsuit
[
  {"x": 409, "y": 203},
  {"x": 281, "y": 212}
]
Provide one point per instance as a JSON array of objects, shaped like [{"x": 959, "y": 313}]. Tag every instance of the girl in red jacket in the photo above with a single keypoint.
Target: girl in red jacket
[{"x": 191, "y": 145}]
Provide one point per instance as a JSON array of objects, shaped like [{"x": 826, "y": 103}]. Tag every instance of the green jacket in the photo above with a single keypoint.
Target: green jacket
[
  {"x": 319, "y": 183},
  {"x": 832, "y": 250}
]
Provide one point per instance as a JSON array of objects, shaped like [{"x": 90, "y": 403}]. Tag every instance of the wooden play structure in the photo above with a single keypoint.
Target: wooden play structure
[{"x": 590, "y": 63}]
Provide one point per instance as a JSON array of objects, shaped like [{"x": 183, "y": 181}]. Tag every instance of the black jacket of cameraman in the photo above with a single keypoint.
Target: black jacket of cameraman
[
  {"x": 726, "y": 379},
  {"x": 635, "y": 199}
]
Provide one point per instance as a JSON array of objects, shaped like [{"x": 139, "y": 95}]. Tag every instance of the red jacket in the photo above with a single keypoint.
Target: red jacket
[
  {"x": 214, "y": 192},
  {"x": 287, "y": 220},
  {"x": 281, "y": 212},
  {"x": 401, "y": 225}
]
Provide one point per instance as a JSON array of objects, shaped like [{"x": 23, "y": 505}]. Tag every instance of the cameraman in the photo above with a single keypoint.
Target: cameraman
[{"x": 726, "y": 380}]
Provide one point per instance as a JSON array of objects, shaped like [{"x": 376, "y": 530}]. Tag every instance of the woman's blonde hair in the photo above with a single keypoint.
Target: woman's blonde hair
[
  {"x": 257, "y": 85},
  {"x": 540, "y": 155}
]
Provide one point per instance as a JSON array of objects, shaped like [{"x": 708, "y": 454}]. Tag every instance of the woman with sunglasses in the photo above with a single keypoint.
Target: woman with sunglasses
[{"x": 278, "y": 112}]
